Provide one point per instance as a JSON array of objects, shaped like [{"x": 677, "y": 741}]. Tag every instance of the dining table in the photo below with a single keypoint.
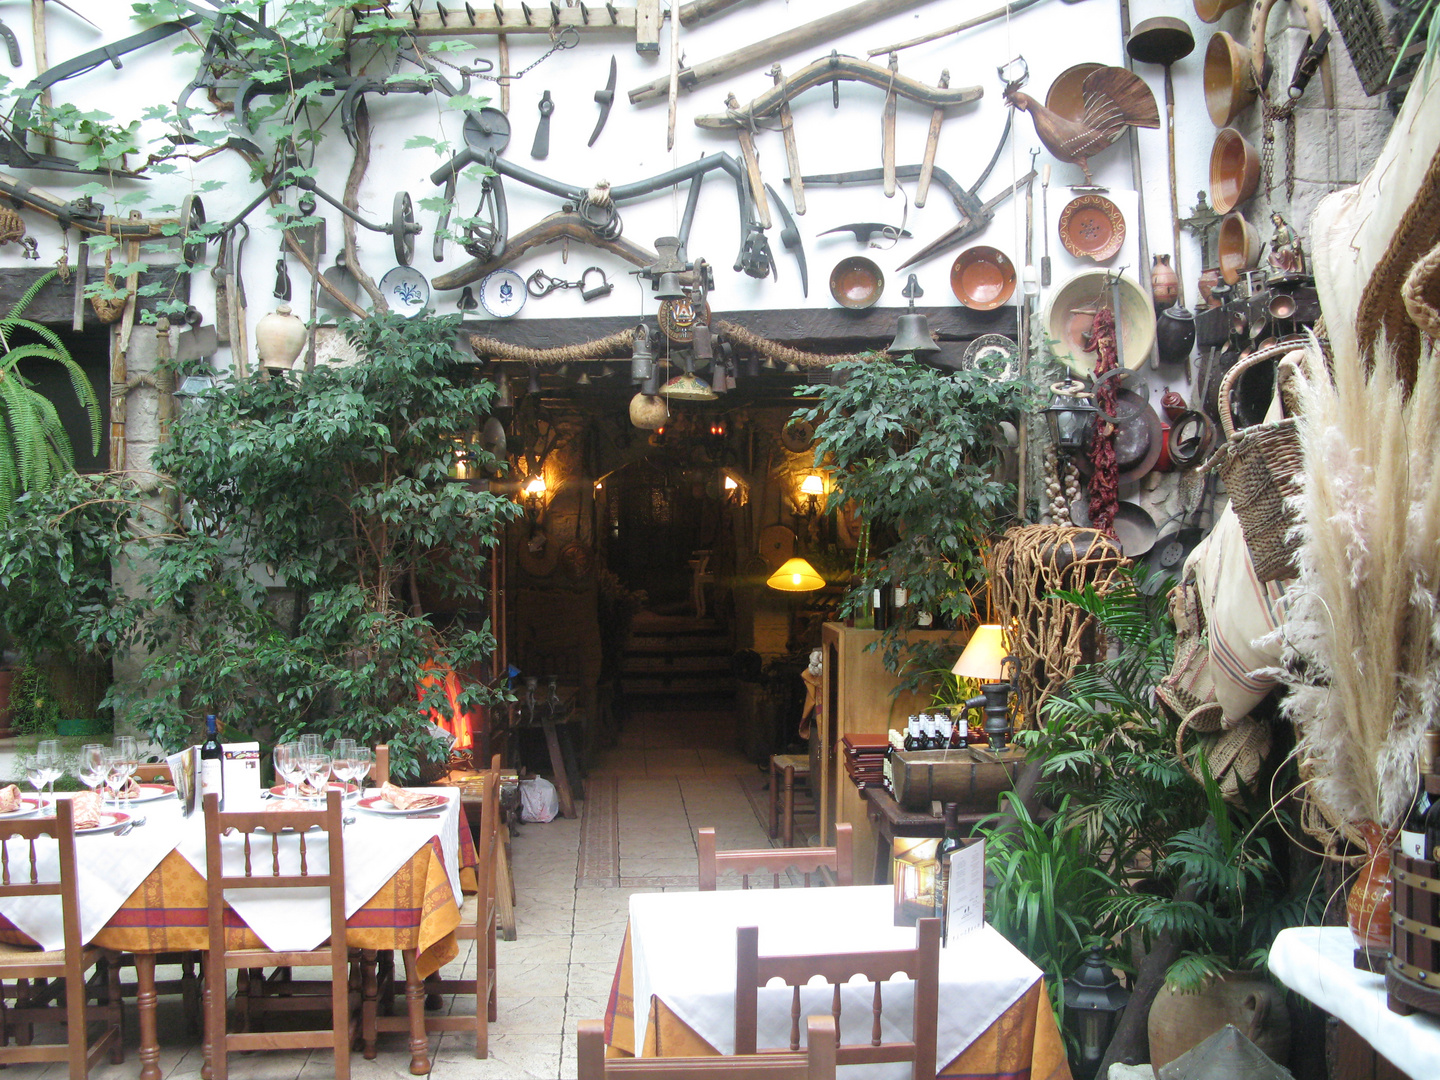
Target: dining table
[
  {"x": 142, "y": 890},
  {"x": 673, "y": 993}
]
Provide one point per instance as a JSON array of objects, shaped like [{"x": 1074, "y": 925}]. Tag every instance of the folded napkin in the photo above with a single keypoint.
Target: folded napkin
[
  {"x": 87, "y": 810},
  {"x": 409, "y": 800},
  {"x": 131, "y": 790},
  {"x": 9, "y": 799}
]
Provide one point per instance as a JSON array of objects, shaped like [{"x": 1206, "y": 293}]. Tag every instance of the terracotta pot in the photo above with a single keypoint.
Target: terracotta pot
[
  {"x": 1164, "y": 285},
  {"x": 1179, "y": 1021},
  {"x": 279, "y": 338},
  {"x": 1238, "y": 247},
  {"x": 1234, "y": 170},
  {"x": 1208, "y": 280},
  {"x": 1229, "y": 79},
  {"x": 1211, "y": 10},
  {"x": 1367, "y": 908}
]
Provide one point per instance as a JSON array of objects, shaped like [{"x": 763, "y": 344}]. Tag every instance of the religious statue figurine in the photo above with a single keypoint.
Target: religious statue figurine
[{"x": 1287, "y": 257}]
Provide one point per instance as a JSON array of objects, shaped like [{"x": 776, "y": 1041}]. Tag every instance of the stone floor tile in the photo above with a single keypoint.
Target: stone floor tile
[{"x": 512, "y": 1057}]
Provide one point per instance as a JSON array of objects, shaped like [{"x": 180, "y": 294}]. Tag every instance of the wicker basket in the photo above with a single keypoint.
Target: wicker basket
[
  {"x": 1261, "y": 469},
  {"x": 1368, "y": 41}
]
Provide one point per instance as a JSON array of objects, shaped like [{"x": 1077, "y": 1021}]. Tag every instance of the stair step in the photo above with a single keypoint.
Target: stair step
[
  {"x": 660, "y": 646},
  {"x": 654, "y": 685},
  {"x": 694, "y": 663}
]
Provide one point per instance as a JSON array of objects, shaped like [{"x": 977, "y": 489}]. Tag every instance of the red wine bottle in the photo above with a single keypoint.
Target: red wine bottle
[{"x": 212, "y": 762}]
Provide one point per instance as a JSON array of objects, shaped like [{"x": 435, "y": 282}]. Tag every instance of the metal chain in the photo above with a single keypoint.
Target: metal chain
[
  {"x": 1286, "y": 115},
  {"x": 568, "y": 38}
]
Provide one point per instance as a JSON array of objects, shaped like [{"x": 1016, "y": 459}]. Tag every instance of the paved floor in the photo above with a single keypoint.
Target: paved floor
[{"x": 668, "y": 776}]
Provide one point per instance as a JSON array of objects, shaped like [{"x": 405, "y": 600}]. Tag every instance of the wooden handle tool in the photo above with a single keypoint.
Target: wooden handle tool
[
  {"x": 752, "y": 167},
  {"x": 932, "y": 143},
  {"x": 792, "y": 149},
  {"x": 887, "y": 133}
]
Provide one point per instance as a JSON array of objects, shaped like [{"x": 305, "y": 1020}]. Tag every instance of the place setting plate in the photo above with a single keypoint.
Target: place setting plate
[
  {"x": 279, "y": 792},
  {"x": 149, "y": 793},
  {"x": 377, "y": 804},
  {"x": 110, "y": 821},
  {"x": 29, "y": 804}
]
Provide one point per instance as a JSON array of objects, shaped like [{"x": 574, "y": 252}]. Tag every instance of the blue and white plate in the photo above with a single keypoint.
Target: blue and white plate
[
  {"x": 406, "y": 291},
  {"x": 502, "y": 293}
]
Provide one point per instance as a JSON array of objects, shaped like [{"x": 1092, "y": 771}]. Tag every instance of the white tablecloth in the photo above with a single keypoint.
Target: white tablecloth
[
  {"x": 683, "y": 952},
  {"x": 1317, "y": 963},
  {"x": 110, "y": 868}
]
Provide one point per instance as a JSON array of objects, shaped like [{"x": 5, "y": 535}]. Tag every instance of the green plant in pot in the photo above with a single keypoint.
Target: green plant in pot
[{"x": 287, "y": 600}]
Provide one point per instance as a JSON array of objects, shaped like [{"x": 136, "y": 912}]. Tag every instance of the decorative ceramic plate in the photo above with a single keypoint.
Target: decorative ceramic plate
[
  {"x": 1092, "y": 227},
  {"x": 149, "y": 793},
  {"x": 28, "y": 805},
  {"x": 993, "y": 355},
  {"x": 502, "y": 293},
  {"x": 856, "y": 283},
  {"x": 378, "y": 805},
  {"x": 982, "y": 278},
  {"x": 109, "y": 822},
  {"x": 406, "y": 291},
  {"x": 678, "y": 319}
]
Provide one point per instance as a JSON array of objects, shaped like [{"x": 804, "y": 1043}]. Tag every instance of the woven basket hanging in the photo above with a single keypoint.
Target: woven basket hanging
[
  {"x": 1261, "y": 468},
  {"x": 1368, "y": 41},
  {"x": 108, "y": 308}
]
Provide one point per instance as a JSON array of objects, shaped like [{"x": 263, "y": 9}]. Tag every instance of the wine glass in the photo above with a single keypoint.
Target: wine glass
[
  {"x": 116, "y": 774},
  {"x": 343, "y": 760},
  {"x": 36, "y": 773},
  {"x": 317, "y": 771},
  {"x": 125, "y": 760},
  {"x": 48, "y": 755},
  {"x": 91, "y": 767},
  {"x": 364, "y": 761},
  {"x": 286, "y": 756}
]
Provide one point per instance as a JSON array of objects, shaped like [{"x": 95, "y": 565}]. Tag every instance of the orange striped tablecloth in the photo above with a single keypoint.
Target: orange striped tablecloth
[{"x": 1023, "y": 1044}]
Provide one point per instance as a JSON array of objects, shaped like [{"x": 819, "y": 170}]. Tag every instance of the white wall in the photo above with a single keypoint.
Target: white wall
[{"x": 1052, "y": 36}]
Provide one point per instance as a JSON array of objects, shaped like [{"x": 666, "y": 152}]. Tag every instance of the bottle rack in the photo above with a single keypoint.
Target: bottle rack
[{"x": 1412, "y": 971}]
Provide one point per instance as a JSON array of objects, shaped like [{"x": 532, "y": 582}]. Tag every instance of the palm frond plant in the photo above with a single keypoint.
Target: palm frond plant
[{"x": 34, "y": 449}]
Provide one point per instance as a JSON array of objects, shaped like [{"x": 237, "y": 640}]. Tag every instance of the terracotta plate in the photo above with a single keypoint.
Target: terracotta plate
[
  {"x": 982, "y": 278},
  {"x": 1092, "y": 227},
  {"x": 856, "y": 282}
]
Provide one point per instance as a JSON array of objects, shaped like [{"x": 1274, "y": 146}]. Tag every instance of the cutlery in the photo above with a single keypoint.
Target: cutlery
[{"x": 125, "y": 828}]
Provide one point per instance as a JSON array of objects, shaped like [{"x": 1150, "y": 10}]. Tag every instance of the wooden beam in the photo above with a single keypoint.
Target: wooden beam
[
  {"x": 458, "y": 25},
  {"x": 52, "y": 305},
  {"x": 822, "y": 330}
]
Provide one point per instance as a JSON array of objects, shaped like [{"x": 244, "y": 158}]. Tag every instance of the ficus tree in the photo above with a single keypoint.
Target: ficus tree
[{"x": 314, "y": 505}]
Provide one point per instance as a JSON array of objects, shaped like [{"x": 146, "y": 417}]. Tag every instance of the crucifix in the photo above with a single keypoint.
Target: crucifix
[{"x": 1202, "y": 222}]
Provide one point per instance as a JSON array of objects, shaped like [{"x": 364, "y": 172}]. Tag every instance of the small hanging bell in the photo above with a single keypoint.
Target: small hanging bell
[
  {"x": 282, "y": 279},
  {"x": 912, "y": 330}
]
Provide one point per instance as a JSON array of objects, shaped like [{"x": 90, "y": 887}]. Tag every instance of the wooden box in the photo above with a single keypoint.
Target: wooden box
[
  {"x": 973, "y": 776},
  {"x": 1412, "y": 970}
]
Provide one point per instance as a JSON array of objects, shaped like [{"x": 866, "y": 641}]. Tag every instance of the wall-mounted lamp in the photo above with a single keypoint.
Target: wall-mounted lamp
[
  {"x": 534, "y": 492},
  {"x": 796, "y": 575},
  {"x": 1070, "y": 416},
  {"x": 734, "y": 487},
  {"x": 812, "y": 487},
  {"x": 985, "y": 658}
]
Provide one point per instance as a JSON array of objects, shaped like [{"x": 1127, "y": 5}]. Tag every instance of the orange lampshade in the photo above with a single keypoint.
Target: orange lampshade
[
  {"x": 984, "y": 655},
  {"x": 796, "y": 575}
]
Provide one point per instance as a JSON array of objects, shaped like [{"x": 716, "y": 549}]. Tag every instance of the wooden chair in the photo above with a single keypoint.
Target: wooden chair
[
  {"x": 477, "y": 924},
  {"x": 775, "y": 861},
  {"x": 154, "y": 772},
  {"x": 816, "y": 1063},
  {"x": 20, "y": 877},
  {"x": 922, "y": 964},
  {"x": 261, "y": 871},
  {"x": 380, "y": 774}
]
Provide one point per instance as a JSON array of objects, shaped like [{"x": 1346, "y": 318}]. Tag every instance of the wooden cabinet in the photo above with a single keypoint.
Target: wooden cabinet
[{"x": 856, "y": 696}]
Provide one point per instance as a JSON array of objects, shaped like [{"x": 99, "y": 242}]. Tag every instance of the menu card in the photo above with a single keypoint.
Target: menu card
[
  {"x": 965, "y": 898},
  {"x": 241, "y": 765},
  {"x": 185, "y": 771}
]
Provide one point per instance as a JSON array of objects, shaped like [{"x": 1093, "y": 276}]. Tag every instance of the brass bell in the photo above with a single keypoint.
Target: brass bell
[
  {"x": 912, "y": 331},
  {"x": 669, "y": 287}
]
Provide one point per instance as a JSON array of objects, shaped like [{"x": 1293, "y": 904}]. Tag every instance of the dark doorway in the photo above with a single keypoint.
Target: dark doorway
[
  {"x": 664, "y": 516},
  {"x": 91, "y": 350}
]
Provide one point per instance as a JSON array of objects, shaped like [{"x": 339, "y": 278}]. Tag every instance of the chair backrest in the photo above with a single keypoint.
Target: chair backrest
[
  {"x": 775, "y": 861},
  {"x": 921, "y": 964},
  {"x": 380, "y": 774},
  {"x": 21, "y": 876},
  {"x": 816, "y": 1063},
  {"x": 264, "y": 872},
  {"x": 488, "y": 840},
  {"x": 154, "y": 772}
]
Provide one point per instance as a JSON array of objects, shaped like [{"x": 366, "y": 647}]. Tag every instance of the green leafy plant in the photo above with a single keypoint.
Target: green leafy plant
[
  {"x": 916, "y": 449},
  {"x": 33, "y": 707},
  {"x": 287, "y": 601},
  {"x": 34, "y": 449}
]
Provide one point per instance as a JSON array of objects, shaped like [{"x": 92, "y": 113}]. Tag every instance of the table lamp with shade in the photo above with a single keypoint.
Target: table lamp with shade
[
  {"x": 796, "y": 575},
  {"x": 985, "y": 659}
]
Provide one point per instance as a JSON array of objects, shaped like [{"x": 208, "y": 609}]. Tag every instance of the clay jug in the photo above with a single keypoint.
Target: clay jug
[
  {"x": 1367, "y": 908},
  {"x": 1179, "y": 1021},
  {"x": 1208, "y": 280},
  {"x": 279, "y": 338},
  {"x": 1164, "y": 285}
]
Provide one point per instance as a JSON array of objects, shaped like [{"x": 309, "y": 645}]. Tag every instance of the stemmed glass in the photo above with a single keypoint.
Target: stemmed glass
[
  {"x": 91, "y": 767},
  {"x": 48, "y": 754},
  {"x": 124, "y": 760},
  {"x": 343, "y": 760},
  {"x": 37, "y": 774},
  {"x": 317, "y": 771},
  {"x": 364, "y": 761},
  {"x": 287, "y": 764}
]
